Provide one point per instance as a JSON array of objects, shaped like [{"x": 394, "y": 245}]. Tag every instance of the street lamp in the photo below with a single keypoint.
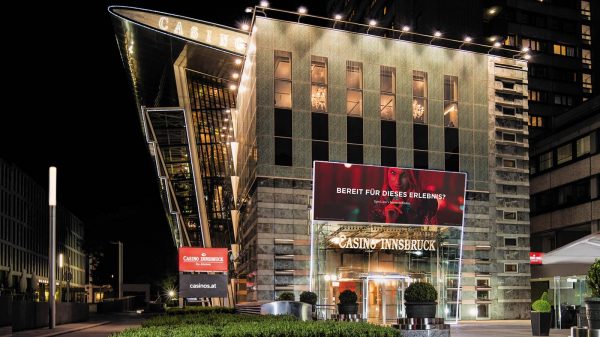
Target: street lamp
[
  {"x": 52, "y": 248},
  {"x": 120, "y": 244}
]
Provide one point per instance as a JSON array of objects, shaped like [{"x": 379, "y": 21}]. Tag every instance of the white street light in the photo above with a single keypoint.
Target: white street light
[
  {"x": 52, "y": 248},
  {"x": 264, "y": 3}
]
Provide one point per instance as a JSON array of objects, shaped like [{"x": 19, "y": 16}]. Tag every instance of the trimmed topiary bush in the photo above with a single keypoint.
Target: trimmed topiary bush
[
  {"x": 542, "y": 305},
  {"x": 593, "y": 278},
  {"x": 348, "y": 297},
  {"x": 308, "y": 297},
  {"x": 420, "y": 292},
  {"x": 287, "y": 296}
]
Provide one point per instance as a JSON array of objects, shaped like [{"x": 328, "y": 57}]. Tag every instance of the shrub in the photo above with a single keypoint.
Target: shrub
[
  {"x": 347, "y": 297},
  {"x": 308, "y": 297},
  {"x": 287, "y": 296},
  {"x": 200, "y": 310},
  {"x": 542, "y": 305},
  {"x": 420, "y": 292},
  {"x": 593, "y": 278},
  {"x": 238, "y": 325}
]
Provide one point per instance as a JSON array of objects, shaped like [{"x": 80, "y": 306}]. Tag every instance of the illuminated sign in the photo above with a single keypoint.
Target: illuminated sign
[
  {"x": 203, "y": 259},
  {"x": 202, "y": 285},
  {"x": 216, "y": 36},
  {"x": 386, "y": 244},
  {"x": 389, "y": 195},
  {"x": 535, "y": 257}
]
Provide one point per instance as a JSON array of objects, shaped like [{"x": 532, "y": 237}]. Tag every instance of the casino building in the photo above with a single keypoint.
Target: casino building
[{"x": 240, "y": 122}]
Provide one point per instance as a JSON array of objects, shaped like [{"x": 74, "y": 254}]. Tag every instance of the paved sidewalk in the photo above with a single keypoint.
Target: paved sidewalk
[
  {"x": 513, "y": 328},
  {"x": 98, "y": 326}
]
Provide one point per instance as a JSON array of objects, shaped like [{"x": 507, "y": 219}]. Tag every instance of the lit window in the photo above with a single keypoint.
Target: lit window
[
  {"x": 510, "y": 215},
  {"x": 283, "y": 79},
  {"x": 583, "y": 146},
  {"x": 586, "y": 82},
  {"x": 586, "y": 58},
  {"x": 511, "y": 163},
  {"x": 564, "y": 154},
  {"x": 318, "y": 76},
  {"x": 419, "y": 104},
  {"x": 450, "y": 101},
  {"x": 585, "y": 10},
  {"x": 354, "y": 95},
  {"x": 387, "y": 95},
  {"x": 586, "y": 34}
]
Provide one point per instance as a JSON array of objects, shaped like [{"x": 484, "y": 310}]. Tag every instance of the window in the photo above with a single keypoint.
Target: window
[
  {"x": 451, "y": 162},
  {"x": 563, "y": 50},
  {"x": 510, "y": 242},
  {"x": 586, "y": 34},
  {"x": 586, "y": 58},
  {"x": 354, "y": 95},
  {"x": 511, "y": 268},
  {"x": 545, "y": 161},
  {"x": 283, "y": 151},
  {"x": 355, "y": 153},
  {"x": 387, "y": 96},
  {"x": 586, "y": 82},
  {"x": 563, "y": 99},
  {"x": 283, "y": 134},
  {"x": 421, "y": 159},
  {"x": 420, "y": 137},
  {"x": 531, "y": 44},
  {"x": 320, "y": 150},
  {"x": 509, "y": 137},
  {"x": 583, "y": 146},
  {"x": 354, "y": 128},
  {"x": 511, "y": 163},
  {"x": 388, "y": 156},
  {"x": 320, "y": 136},
  {"x": 538, "y": 96},
  {"x": 388, "y": 143},
  {"x": 283, "y": 79},
  {"x": 318, "y": 78},
  {"x": 450, "y": 101},
  {"x": 283, "y": 123},
  {"x": 585, "y": 10},
  {"x": 510, "y": 41},
  {"x": 509, "y": 215},
  {"x": 564, "y": 154},
  {"x": 419, "y": 103},
  {"x": 483, "y": 308},
  {"x": 536, "y": 121}
]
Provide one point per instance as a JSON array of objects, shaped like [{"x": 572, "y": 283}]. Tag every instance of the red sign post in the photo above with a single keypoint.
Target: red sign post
[{"x": 203, "y": 259}]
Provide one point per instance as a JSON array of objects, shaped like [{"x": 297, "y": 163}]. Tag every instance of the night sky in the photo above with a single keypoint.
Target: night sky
[{"x": 72, "y": 107}]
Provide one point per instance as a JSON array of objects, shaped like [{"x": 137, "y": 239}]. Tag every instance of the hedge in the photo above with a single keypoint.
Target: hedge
[
  {"x": 203, "y": 310},
  {"x": 239, "y": 325}
]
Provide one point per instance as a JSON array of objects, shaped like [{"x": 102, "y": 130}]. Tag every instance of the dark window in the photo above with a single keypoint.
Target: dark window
[
  {"x": 510, "y": 242},
  {"x": 283, "y": 151},
  {"x": 283, "y": 122},
  {"x": 451, "y": 139},
  {"x": 421, "y": 159},
  {"x": 388, "y": 133},
  {"x": 420, "y": 137},
  {"x": 355, "y": 130},
  {"x": 355, "y": 153},
  {"x": 388, "y": 156},
  {"x": 451, "y": 162},
  {"x": 320, "y": 129},
  {"x": 320, "y": 150}
]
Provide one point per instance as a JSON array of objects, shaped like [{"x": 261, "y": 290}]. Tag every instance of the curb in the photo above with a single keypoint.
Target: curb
[{"x": 57, "y": 333}]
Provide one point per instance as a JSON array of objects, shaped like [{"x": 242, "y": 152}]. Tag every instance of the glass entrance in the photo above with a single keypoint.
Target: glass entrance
[{"x": 384, "y": 298}]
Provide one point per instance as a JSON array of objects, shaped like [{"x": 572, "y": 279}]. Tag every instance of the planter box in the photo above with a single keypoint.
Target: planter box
[
  {"x": 540, "y": 323},
  {"x": 420, "y": 310}
]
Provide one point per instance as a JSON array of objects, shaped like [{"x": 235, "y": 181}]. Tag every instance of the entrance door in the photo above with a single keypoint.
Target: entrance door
[{"x": 384, "y": 300}]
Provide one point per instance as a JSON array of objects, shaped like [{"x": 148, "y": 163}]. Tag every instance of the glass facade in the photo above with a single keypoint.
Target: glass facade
[{"x": 378, "y": 262}]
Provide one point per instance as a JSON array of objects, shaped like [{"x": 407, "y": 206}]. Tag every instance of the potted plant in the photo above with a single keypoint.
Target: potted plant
[
  {"x": 592, "y": 304},
  {"x": 540, "y": 316},
  {"x": 348, "y": 305},
  {"x": 286, "y": 296},
  {"x": 420, "y": 300},
  {"x": 308, "y": 297}
]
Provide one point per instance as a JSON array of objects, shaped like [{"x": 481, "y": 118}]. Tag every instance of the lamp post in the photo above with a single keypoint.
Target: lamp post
[
  {"x": 120, "y": 244},
  {"x": 52, "y": 248}
]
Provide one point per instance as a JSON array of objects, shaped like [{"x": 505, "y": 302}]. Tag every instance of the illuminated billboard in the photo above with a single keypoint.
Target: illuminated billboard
[{"x": 390, "y": 195}]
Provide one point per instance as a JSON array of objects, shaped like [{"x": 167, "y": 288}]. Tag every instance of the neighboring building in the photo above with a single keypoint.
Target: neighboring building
[
  {"x": 559, "y": 34},
  {"x": 24, "y": 236},
  {"x": 307, "y": 93}
]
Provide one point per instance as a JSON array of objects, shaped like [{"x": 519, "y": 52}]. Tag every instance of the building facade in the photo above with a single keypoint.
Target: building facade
[
  {"x": 308, "y": 93},
  {"x": 24, "y": 237},
  {"x": 558, "y": 34}
]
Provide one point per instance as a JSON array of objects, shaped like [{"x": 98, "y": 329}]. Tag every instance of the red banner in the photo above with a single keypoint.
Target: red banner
[
  {"x": 535, "y": 257},
  {"x": 377, "y": 194},
  {"x": 203, "y": 259}
]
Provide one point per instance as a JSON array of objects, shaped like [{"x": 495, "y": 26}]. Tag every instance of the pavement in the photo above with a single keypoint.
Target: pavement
[
  {"x": 508, "y": 328},
  {"x": 99, "y": 325}
]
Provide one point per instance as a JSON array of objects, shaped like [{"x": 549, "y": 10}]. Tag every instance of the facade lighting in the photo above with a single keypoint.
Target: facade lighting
[
  {"x": 497, "y": 44},
  {"x": 245, "y": 27},
  {"x": 525, "y": 49},
  {"x": 238, "y": 61},
  {"x": 232, "y": 87},
  {"x": 264, "y": 3},
  {"x": 235, "y": 76},
  {"x": 372, "y": 23},
  {"x": 405, "y": 28},
  {"x": 337, "y": 16},
  {"x": 248, "y": 10},
  {"x": 527, "y": 56},
  {"x": 468, "y": 39},
  {"x": 437, "y": 33},
  {"x": 302, "y": 10}
]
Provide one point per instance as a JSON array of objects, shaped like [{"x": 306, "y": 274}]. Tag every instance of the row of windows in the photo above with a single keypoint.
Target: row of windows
[
  {"x": 540, "y": 20},
  {"x": 563, "y": 196},
  {"x": 547, "y": 97},
  {"x": 557, "y": 74},
  {"x": 564, "y": 154},
  {"x": 354, "y": 89}
]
